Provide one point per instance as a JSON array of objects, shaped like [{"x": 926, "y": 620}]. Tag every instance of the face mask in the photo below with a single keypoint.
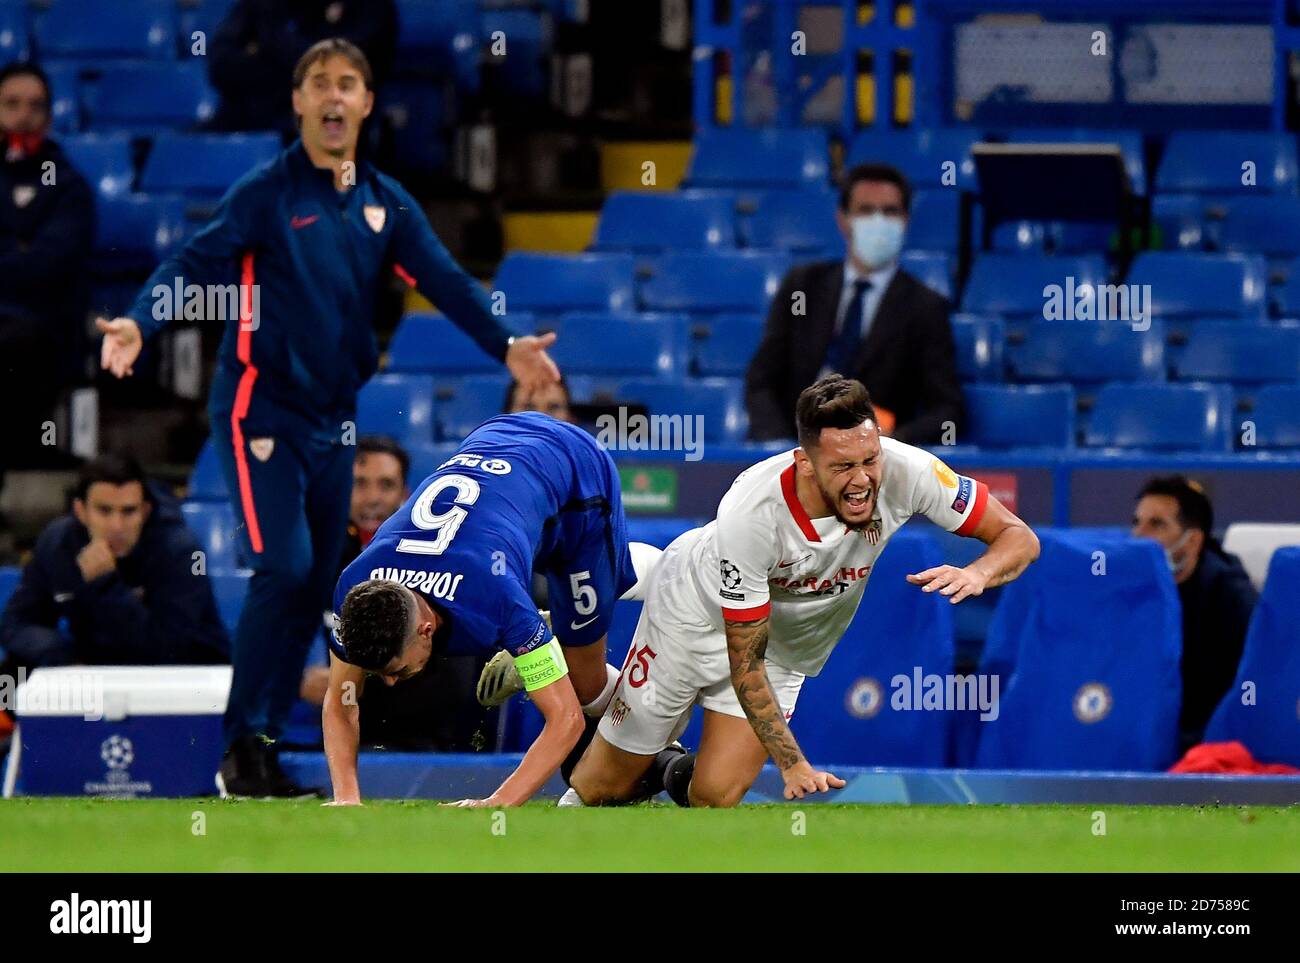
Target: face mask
[
  {"x": 877, "y": 239},
  {"x": 1174, "y": 565}
]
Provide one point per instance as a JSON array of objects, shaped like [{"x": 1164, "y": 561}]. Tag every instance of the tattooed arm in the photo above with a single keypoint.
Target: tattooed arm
[{"x": 746, "y": 650}]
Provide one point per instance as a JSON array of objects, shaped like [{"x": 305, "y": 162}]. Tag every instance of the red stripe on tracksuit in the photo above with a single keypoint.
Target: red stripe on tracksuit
[{"x": 243, "y": 397}]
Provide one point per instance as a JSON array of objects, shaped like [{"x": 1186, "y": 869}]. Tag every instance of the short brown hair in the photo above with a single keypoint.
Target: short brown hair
[
  {"x": 831, "y": 402},
  {"x": 323, "y": 50},
  {"x": 375, "y": 620}
]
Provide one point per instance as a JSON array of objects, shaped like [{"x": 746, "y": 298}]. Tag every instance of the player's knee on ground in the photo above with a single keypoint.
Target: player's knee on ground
[
  {"x": 599, "y": 782},
  {"x": 716, "y": 794}
]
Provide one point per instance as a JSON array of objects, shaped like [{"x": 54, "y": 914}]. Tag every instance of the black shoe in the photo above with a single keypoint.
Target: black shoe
[
  {"x": 243, "y": 773},
  {"x": 677, "y": 774},
  {"x": 282, "y": 787}
]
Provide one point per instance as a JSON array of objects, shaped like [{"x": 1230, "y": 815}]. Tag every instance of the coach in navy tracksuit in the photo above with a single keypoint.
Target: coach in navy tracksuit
[{"x": 310, "y": 238}]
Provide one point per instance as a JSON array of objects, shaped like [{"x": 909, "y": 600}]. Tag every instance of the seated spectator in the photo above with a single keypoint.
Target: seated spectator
[
  {"x": 553, "y": 400},
  {"x": 863, "y": 317},
  {"x": 1215, "y": 590},
  {"x": 117, "y": 582},
  {"x": 47, "y": 229}
]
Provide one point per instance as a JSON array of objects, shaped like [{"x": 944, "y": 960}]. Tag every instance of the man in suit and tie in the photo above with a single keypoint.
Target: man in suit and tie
[{"x": 865, "y": 318}]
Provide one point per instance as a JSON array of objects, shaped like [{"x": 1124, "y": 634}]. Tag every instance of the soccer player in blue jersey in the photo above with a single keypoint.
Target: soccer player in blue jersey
[{"x": 451, "y": 572}]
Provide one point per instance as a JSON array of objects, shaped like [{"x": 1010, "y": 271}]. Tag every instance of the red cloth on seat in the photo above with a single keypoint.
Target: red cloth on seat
[{"x": 1228, "y": 757}]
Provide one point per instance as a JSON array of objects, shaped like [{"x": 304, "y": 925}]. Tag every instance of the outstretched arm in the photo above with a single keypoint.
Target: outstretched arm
[
  {"x": 1012, "y": 545},
  {"x": 341, "y": 726}
]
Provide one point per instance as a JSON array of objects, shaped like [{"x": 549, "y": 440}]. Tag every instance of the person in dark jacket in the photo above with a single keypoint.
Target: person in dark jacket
[
  {"x": 865, "y": 318},
  {"x": 310, "y": 237},
  {"x": 47, "y": 228},
  {"x": 1214, "y": 588},
  {"x": 116, "y": 582}
]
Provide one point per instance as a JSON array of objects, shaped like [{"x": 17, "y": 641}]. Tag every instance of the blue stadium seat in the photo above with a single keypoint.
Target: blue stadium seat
[
  {"x": 148, "y": 98},
  {"x": 65, "y": 91},
  {"x": 229, "y": 590},
  {"x": 863, "y": 710},
  {"x": 136, "y": 231},
  {"x": 1187, "y": 285},
  {"x": 1240, "y": 353},
  {"x": 427, "y": 456},
  {"x": 417, "y": 116},
  {"x": 656, "y": 221},
  {"x": 935, "y": 220},
  {"x": 440, "y": 38},
  {"x": 14, "y": 43},
  {"x": 716, "y": 282},
  {"x": 1211, "y": 162},
  {"x": 801, "y": 223},
  {"x": 724, "y": 345},
  {"x": 465, "y": 403},
  {"x": 1011, "y": 285},
  {"x": 1059, "y": 237},
  {"x": 1076, "y": 692},
  {"x": 646, "y": 346},
  {"x": 719, "y": 400},
  {"x": 207, "y": 483},
  {"x": 921, "y": 154},
  {"x": 1276, "y": 415},
  {"x": 555, "y": 283},
  {"x": 400, "y": 405},
  {"x": 1086, "y": 353},
  {"x": 932, "y": 268},
  {"x": 83, "y": 29},
  {"x": 1261, "y": 225},
  {"x": 431, "y": 342},
  {"x": 204, "y": 16},
  {"x": 104, "y": 160},
  {"x": 1269, "y": 726},
  {"x": 1179, "y": 222},
  {"x": 1019, "y": 416},
  {"x": 979, "y": 343},
  {"x": 215, "y": 527},
  {"x": 1129, "y": 141},
  {"x": 204, "y": 164},
  {"x": 759, "y": 158},
  {"x": 1169, "y": 417}
]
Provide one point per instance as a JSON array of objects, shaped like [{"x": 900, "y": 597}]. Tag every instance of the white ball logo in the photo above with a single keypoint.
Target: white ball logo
[
  {"x": 1092, "y": 702},
  {"x": 865, "y": 698},
  {"x": 117, "y": 752}
]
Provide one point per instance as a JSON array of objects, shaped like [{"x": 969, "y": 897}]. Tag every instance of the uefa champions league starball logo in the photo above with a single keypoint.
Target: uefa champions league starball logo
[
  {"x": 117, "y": 752},
  {"x": 730, "y": 575}
]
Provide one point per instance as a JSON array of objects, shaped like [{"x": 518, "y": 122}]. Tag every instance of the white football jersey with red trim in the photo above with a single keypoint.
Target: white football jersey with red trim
[{"x": 764, "y": 557}]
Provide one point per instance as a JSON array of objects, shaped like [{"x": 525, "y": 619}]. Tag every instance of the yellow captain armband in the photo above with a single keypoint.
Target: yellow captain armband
[{"x": 542, "y": 666}]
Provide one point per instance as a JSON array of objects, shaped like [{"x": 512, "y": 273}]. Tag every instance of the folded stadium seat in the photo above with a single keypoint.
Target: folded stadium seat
[
  {"x": 1259, "y": 225},
  {"x": 1012, "y": 285},
  {"x": 204, "y": 164},
  {"x": 203, "y": 16},
  {"x": 136, "y": 231},
  {"x": 645, "y": 346},
  {"x": 723, "y": 345},
  {"x": 1211, "y": 162},
  {"x": 713, "y": 282},
  {"x": 148, "y": 98},
  {"x": 1254, "y": 544},
  {"x": 1019, "y": 416},
  {"x": 214, "y": 525},
  {"x": 737, "y": 157},
  {"x": 921, "y": 154},
  {"x": 1087, "y": 663},
  {"x": 934, "y": 223},
  {"x": 1086, "y": 353},
  {"x": 65, "y": 93},
  {"x": 800, "y": 223},
  {"x": 83, "y": 29},
  {"x": 657, "y": 221},
  {"x": 207, "y": 483},
  {"x": 465, "y": 403},
  {"x": 1180, "y": 222},
  {"x": 524, "y": 69},
  {"x": 1269, "y": 725},
  {"x": 1240, "y": 353},
  {"x": 720, "y": 401},
  {"x": 416, "y": 113},
  {"x": 550, "y": 284},
  {"x": 426, "y": 341},
  {"x": 1286, "y": 299},
  {"x": 1276, "y": 414},
  {"x": 104, "y": 160},
  {"x": 1128, "y": 141},
  {"x": 400, "y": 405},
  {"x": 1059, "y": 237},
  {"x": 1187, "y": 286},
  {"x": 427, "y": 456},
  {"x": 14, "y": 43},
  {"x": 229, "y": 590},
  {"x": 864, "y": 709},
  {"x": 934, "y": 269},
  {"x": 440, "y": 38},
  {"x": 979, "y": 343},
  {"x": 1165, "y": 417}
]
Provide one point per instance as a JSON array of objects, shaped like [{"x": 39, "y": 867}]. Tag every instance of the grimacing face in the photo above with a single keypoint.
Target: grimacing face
[
  {"x": 114, "y": 514},
  {"x": 848, "y": 467},
  {"x": 332, "y": 101}
]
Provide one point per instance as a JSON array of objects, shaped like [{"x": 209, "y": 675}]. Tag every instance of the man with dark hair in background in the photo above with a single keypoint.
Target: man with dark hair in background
[
  {"x": 116, "y": 582},
  {"x": 863, "y": 316},
  {"x": 1215, "y": 590},
  {"x": 47, "y": 229}
]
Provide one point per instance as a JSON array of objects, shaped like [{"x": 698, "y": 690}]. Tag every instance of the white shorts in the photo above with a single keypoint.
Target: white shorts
[{"x": 677, "y": 660}]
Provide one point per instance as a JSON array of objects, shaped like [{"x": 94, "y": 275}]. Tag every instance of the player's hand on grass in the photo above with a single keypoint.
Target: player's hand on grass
[
  {"x": 122, "y": 344},
  {"x": 342, "y": 802},
  {"x": 489, "y": 803},
  {"x": 951, "y": 581},
  {"x": 802, "y": 779},
  {"x": 529, "y": 363}
]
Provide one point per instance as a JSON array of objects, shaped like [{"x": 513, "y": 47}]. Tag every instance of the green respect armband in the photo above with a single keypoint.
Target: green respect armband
[{"x": 542, "y": 666}]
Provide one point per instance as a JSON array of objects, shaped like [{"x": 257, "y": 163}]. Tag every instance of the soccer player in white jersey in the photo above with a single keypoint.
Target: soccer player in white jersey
[{"x": 738, "y": 612}]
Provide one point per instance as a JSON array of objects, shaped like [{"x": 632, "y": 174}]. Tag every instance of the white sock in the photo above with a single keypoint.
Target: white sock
[
  {"x": 644, "y": 559},
  {"x": 570, "y": 798},
  {"x": 596, "y": 707}
]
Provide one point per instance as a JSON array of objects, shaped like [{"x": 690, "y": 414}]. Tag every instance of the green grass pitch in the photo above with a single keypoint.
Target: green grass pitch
[{"x": 85, "y": 835}]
